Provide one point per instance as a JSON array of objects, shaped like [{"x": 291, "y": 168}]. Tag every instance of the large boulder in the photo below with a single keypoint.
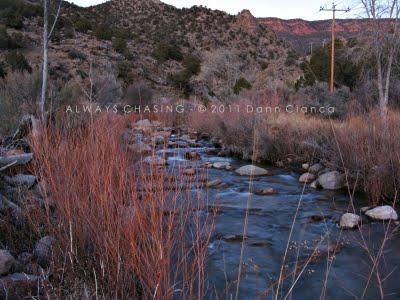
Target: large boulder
[
  {"x": 383, "y": 213},
  {"x": 349, "y": 221},
  {"x": 251, "y": 170},
  {"x": 332, "y": 180},
  {"x": 43, "y": 250},
  {"x": 307, "y": 178},
  {"x": 7, "y": 261}
]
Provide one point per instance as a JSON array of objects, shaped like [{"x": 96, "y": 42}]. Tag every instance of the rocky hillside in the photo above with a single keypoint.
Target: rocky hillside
[
  {"x": 194, "y": 52},
  {"x": 301, "y": 33}
]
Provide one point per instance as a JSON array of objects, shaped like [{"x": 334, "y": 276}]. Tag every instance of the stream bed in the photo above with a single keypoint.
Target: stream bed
[{"x": 322, "y": 261}]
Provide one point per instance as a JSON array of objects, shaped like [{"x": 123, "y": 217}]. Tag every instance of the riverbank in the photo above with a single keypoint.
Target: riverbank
[
  {"x": 122, "y": 197},
  {"x": 361, "y": 147}
]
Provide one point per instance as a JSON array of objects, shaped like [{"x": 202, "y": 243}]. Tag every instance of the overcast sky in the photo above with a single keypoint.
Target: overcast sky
[{"x": 287, "y": 9}]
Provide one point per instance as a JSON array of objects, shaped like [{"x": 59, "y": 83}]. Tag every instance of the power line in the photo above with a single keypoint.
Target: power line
[{"x": 334, "y": 9}]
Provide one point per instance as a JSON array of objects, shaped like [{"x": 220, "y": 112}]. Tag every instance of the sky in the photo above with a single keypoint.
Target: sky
[{"x": 288, "y": 9}]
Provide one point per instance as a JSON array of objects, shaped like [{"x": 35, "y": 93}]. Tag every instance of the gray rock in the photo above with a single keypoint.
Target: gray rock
[
  {"x": 251, "y": 170},
  {"x": 234, "y": 238},
  {"x": 315, "y": 169},
  {"x": 307, "y": 178},
  {"x": 7, "y": 261},
  {"x": 143, "y": 123},
  {"x": 229, "y": 168},
  {"x": 266, "y": 192},
  {"x": 332, "y": 181},
  {"x": 221, "y": 165},
  {"x": 19, "y": 286},
  {"x": 383, "y": 213},
  {"x": 305, "y": 166},
  {"x": 15, "y": 210},
  {"x": 349, "y": 221},
  {"x": 16, "y": 160},
  {"x": 25, "y": 258},
  {"x": 214, "y": 183},
  {"x": 43, "y": 249},
  {"x": 315, "y": 184},
  {"x": 208, "y": 165},
  {"x": 21, "y": 180}
]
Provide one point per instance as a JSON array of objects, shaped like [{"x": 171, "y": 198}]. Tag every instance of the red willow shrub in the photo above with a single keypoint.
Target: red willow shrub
[{"x": 121, "y": 233}]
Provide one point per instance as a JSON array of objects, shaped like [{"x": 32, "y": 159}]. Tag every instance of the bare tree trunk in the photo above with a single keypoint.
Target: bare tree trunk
[
  {"x": 45, "y": 64},
  {"x": 384, "y": 109},
  {"x": 45, "y": 61},
  {"x": 384, "y": 17}
]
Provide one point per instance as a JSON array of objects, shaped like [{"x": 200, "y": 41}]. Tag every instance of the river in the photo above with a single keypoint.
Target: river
[{"x": 322, "y": 261}]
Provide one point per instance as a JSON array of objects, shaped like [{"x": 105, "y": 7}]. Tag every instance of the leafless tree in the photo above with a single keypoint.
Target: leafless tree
[
  {"x": 45, "y": 58},
  {"x": 220, "y": 70},
  {"x": 385, "y": 42}
]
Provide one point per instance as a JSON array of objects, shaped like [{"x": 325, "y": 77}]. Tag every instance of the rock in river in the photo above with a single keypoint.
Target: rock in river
[
  {"x": 221, "y": 165},
  {"x": 385, "y": 212},
  {"x": 192, "y": 155},
  {"x": 349, "y": 220},
  {"x": 266, "y": 192},
  {"x": 214, "y": 183},
  {"x": 315, "y": 169},
  {"x": 189, "y": 172},
  {"x": 307, "y": 178},
  {"x": 251, "y": 170},
  {"x": 332, "y": 180}
]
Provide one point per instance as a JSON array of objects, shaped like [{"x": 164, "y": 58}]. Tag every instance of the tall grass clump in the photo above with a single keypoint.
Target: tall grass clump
[{"x": 121, "y": 233}]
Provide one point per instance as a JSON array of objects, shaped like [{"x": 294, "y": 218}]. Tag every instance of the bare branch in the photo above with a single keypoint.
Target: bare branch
[{"x": 55, "y": 19}]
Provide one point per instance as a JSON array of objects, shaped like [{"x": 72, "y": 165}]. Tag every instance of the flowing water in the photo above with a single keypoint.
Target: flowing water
[{"x": 321, "y": 262}]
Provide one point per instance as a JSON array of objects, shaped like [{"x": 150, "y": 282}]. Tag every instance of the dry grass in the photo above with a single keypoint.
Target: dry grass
[{"x": 120, "y": 233}]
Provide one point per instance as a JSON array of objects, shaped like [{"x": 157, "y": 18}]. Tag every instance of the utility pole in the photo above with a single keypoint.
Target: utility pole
[{"x": 333, "y": 10}]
